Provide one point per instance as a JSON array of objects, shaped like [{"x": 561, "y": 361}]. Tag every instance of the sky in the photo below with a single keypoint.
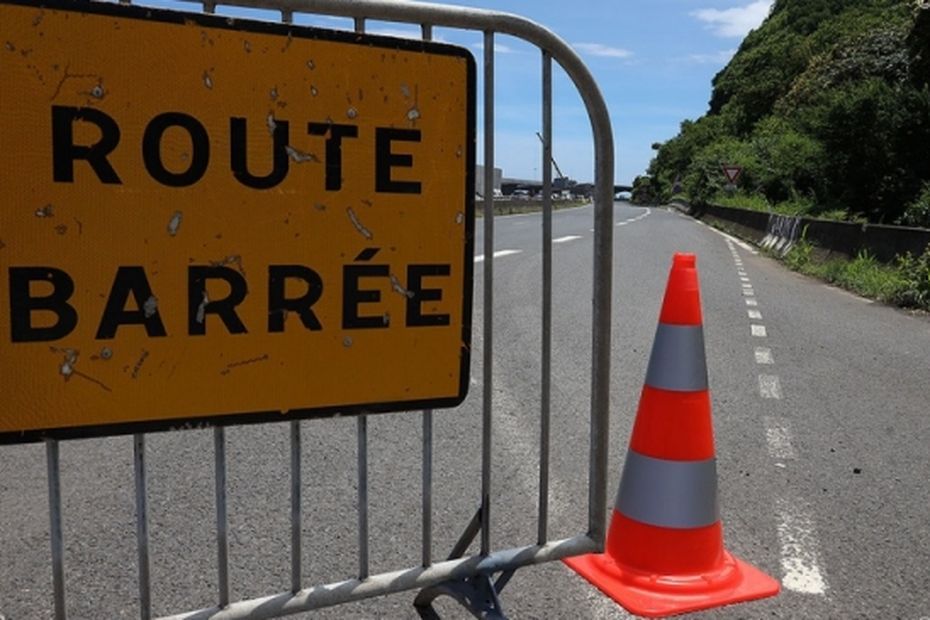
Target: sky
[{"x": 652, "y": 59}]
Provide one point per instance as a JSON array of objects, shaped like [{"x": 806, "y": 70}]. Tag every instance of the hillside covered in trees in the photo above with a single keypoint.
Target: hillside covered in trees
[{"x": 826, "y": 107}]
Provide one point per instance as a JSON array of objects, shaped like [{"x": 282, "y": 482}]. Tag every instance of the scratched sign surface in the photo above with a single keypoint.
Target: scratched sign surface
[{"x": 208, "y": 220}]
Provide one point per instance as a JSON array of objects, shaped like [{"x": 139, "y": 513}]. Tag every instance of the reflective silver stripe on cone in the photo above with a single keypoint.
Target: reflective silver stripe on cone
[
  {"x": 674, "y": 494},
  {"x": 677, "y": 361}
]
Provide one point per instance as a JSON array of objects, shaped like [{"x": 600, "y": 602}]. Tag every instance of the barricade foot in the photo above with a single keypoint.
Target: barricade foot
[{"x": 479, "y": 595}]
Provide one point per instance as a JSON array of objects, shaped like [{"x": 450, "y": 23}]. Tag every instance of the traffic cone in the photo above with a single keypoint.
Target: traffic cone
[{"x": 665, "y": 552}]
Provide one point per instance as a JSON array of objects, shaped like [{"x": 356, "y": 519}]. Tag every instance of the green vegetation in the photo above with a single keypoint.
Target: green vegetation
[
  {"x": 826, "y": 107},
  {"x": 907, "y": 283},
  {"x": 918, "y": 212}
]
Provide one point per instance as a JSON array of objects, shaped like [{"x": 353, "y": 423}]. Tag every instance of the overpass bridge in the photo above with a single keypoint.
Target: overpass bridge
[{"x": 509, "y": 185}]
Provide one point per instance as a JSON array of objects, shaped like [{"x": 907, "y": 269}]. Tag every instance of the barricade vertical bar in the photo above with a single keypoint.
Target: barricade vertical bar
[
  {"x": 427, "y": 487},
  {"x": 296, "y": 542},
  {"x": 600, "y": 310},
  {"x": 142, "y": 527},
  {"x": 427, "y": 559},
  {"x": 488, "y": 292},
  {"x": 362, "y": 497},
  {"x": 222, "y": 529},
  {"x": 55, "y": 536},
  {"x": 362, "y": 455},
  {"x": 546, "y": 379},
  {"x": 491, "y": 24}
]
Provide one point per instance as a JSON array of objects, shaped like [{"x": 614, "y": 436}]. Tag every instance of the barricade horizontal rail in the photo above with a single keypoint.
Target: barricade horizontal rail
[{"x": 489, "y": 561}]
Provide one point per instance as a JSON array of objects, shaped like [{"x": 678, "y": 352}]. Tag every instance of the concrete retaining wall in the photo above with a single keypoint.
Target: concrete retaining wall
[{"x": 780, "y": 232}]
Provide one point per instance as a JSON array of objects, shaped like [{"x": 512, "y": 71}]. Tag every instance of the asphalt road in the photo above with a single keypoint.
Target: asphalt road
[{"x": 822, "y": 438}]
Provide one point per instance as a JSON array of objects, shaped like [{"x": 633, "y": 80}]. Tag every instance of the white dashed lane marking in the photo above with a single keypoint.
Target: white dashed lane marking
[
  {"x": 497, "y": 254},
  {"x": 778, "y": 438},
  {"x": 800, "y": 556},
  {"x": 800, "y": 560},
  {"x": 769, "y": 387},
  {"x": 764, "y": 356},
  {"x": 565, "y": 239}
]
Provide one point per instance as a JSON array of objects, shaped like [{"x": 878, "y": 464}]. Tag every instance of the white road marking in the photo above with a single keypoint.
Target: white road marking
[
  {"x": 732, "y": 239},
  {"x": 633, "y": 220},
  {"x": 769, "y": 387},
  {"x": 800, "y": 555},
  {"x": 480, "y": 258},
  {"x": 566, "y": 238},
  {"x": 764, "y": 356},
  {"x": 778, "y": 438}
]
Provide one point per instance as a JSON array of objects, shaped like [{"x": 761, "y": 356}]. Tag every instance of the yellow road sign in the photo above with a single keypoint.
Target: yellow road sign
[{"x": 208, "y": 220}]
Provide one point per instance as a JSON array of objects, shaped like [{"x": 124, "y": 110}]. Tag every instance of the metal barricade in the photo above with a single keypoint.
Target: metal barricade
[{"x": 457, "y": 576}]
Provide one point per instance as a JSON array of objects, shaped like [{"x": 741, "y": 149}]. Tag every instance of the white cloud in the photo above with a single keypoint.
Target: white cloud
[
  {"x": 499, "y": 48},
  {"x": 714, "y": 58},
  {"x": 599, "y": 49},
  {"x": 735, "y": 22}
]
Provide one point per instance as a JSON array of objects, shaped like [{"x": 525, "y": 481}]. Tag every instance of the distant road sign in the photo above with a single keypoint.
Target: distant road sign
[
  {"x": 732, "y": 173},
  {"x": 214, "y": 220}
]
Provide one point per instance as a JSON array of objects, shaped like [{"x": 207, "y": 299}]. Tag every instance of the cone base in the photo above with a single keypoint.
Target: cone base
[{"x": 657, "y": 596}]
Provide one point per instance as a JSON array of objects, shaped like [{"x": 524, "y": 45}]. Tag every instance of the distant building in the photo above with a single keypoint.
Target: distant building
[{"x": 479, "y": 179}]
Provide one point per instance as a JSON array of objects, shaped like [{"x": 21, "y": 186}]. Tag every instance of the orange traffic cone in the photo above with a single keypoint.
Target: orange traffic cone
[{"x": 665, "y": 550}]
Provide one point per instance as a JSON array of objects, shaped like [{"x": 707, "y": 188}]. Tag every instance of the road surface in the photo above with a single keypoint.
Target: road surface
[{"x": 822, "y": 437}]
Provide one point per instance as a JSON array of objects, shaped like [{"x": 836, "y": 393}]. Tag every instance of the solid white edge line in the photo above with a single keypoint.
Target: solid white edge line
[{"x": 733, "y": 239}]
